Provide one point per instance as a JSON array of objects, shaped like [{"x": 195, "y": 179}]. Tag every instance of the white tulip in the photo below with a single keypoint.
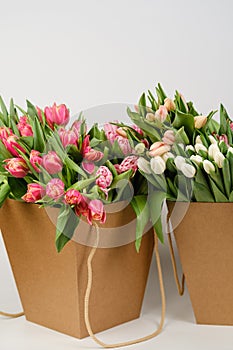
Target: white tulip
[
  {"x": 179, "y": 161},
  {"x": 188, "y": 170},
  {"x": 212, "y": 139},
  {"x": 158, "y": 165},
  {"x": 219, "y": 159},
  {"x": 208, "y": 166},
  {"x": 213, "y": 149},
  {"x": 167, "y": 155},
  {"x": 196, "y": 159},
  {"x": 140, "y": 148},
  {"x": 230, "y": 150},
  {"x": 200, "y": 147},
  {"x": 190, "y": 148},
  {"x": 198, "y": 140},
  {"x": 144, "y": 165}
]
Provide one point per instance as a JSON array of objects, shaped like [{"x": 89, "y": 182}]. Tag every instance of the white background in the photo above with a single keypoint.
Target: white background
[{"x": 88, "y": 53}]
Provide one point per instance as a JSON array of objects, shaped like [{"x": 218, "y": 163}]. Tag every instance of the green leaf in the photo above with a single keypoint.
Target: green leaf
[
  {"x": 38, "y": 136},
  {"x": 142, "y": 105},
  {"x": 186, "y": 120},
  {"x": 230, "y": 159},
  {"x": 231, "y": 197},
  {"x": 4, "y": 153},
  {"x": 218, "y": 195},
  {"x": 226, "y": 176},
  {"x": 124, "y": 176},
  {"x": 213, "y": 127},
  {"x": 223, "y": 120},
  {"x": 18, "y": 187},
  {"x": 31, "y": 110},
  {"x": 4, "y": 192},
  {"x": 140, "y": 206},
  {"x": 202, "y": 193},
  {"x": 80, "y": 185},
  {"x": 66, "y": 224},
  {"x": 72, "y": 165},
  {"x": 181, "y": 136},
  {"x": 156, "y": 199},
  {"x": 4, "y": 111},
  {"x": 111, "y": 168}
]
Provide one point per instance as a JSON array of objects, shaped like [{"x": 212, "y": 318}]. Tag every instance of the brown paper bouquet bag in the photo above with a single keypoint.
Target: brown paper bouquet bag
[
  {"x": 52, "y": 285},
  {"x": 204, "y": 238}
]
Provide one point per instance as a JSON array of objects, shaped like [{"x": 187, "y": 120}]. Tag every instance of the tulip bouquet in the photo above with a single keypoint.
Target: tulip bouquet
[
  {"x": 190, "y": 155},
  {"x": 43, "y": 161}
]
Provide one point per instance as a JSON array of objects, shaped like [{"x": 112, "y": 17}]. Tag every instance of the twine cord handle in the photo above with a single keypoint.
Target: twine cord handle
[
  {"x": 88, "y": 292},
  {"x": 180, "y": 286},
  {"x": 5, "y": 314}
]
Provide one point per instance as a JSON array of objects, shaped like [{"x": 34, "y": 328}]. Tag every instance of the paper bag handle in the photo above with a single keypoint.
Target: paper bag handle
[
  {"x": 180, "y": 286},
  {"x": 88, "y": 292}
]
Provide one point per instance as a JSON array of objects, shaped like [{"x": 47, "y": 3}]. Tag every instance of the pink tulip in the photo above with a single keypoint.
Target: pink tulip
[
  {"x": 169, "y": 137},
  {"x": 128, "y": 163},
  {"x": 88, "y": 153},
  {"x": 111, "y": 131},
  {"x": 52, "y": 163},
  {"x": 89, "y": 167},
  {"x": 124, "y": 145},
  {"x": 223, "y": 138},
  {"x": 5, "y": 133},
  {"x": 35, "y": 159},
  {"x": 13, "y": 146},
  {"x": 55, "y": 189},
  {"x": 76, "y": 128},
  {"x": 24, "y": 127},
  {"x": 73, "y": 197},
  {"x": 17, "y": 167},
  {"x": 34, "y": 193},
  {"x": 105, "y": 177},
  {"x": 139, "y": 131},
  {"x": 39, "y": 113},
  {"x": 67, "y": 137},
  {"x": 97, "y": 212},
  {"x": 82, "y": 208},
  {"x": 58, "y": 115},
  {"x": 159, "y": 148},
  {"x": 161, "y": 113},
  {"x": 231, "y": 126},
  {"x": 122, "y": 132}
]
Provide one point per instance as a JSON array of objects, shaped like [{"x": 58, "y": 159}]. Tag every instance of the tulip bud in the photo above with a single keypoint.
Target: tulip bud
[
  {"x": 167, "y": 156},
  {"x": 35, "y": 158},
  {"x": 188, "y": 170},
  {"x": 179, "y": 161},
  {"x": 58, "y": 115},
  {"x": 199, "y": 147},
  {"x": 198, "y": 140},
  {"x": 208, "y": 166},
  {"x": 230, "y": 150},
  {"x": 200, "y": 121},
  {"x": 17, "y": 167},
  {"x": 104, "y": 178},
  {"x": 161, "y": 113},
  {"x": 158, "y": 165},
  {"x": 190, "y": 148},
  {"x": 144, "y": 165},
  {"x": 73, "y": 197},
  {"x": 67, "y": 137},
  {"x": 169, "y": 104},
  {"x": 34, "y": 193},
  {"x": 219, "y": 159},
  {"x": 55, "y": 189},
  {"x": 122, "y": 132},
  {"x": 96, "y": 211},
  {"x": 150, "y": 117},
  {"x": 24, "y": 127},
  {"x": 159, "y": 148},
  {"x": 212, "y": 139},
  {"x": 196, "y": 159},
  {"x": 52, "y": 163},
  {"x": 213, "y": 149},
  {"x": 169, "y": 137},
  {"x": 140, "y": 148}
]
